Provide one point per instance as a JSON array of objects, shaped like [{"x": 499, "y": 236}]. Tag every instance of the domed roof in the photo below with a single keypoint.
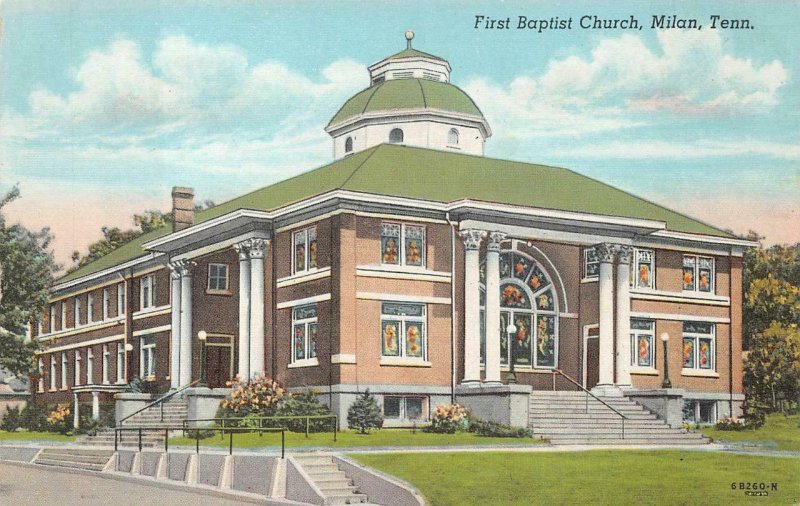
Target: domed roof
[{"x": 408, "y": 94}]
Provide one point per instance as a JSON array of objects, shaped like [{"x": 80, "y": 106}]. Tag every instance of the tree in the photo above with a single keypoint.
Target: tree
[
  {"x": 365, "y": 414},
  {"x": 114, "y": 237},
  {"x": 26, "y": 270},
  {"x": 772, "y": 367}
]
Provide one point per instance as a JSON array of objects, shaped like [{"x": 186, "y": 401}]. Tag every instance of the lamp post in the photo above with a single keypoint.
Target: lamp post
[
  {"x": 511, "y": 329},
  {"x": 202, "y": 336},
  {"x": 128, "y": 349},
  {"x": 666, "y": 383}
]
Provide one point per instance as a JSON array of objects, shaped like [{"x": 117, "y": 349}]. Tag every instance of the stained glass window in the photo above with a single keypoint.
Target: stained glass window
[
  {"x": 643, "y": 268},
  {"x": 689, "y": 272},
  {"x": 513, "y": 296},
  {"x": 642, "y": 342},
  {"x": 537, "y": 279},
  {"x": 304, "y": 334},
  {"x": 521, "y": 267},
  {"x": 544, "y": 301},
  {"x": 591, "y": 263},
  {"x": 414, "y": 244},
  {"x": 403, "y": 330},
  {"x": 705, "y": 274},
  {"x": 521, "y": 340},
  {"x": 390, "y": 243},
  {"x": 403, "y": 244},
  {"x": 688, "y": 353},
  {"x": 545, "y": 341},
  {"x": 304, "y": 246}
]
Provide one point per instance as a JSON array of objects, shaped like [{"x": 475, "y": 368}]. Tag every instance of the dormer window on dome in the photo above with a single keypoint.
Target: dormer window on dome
[{"x": 409, "y": 101}]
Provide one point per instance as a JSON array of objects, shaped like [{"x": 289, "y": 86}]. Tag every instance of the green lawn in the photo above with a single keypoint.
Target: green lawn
[
  {"x": 349, "y": 439},
  {"x": 23, "y": 435},
  {"x": 617, "y": 477},
  {"x": 782, "y": 430}
]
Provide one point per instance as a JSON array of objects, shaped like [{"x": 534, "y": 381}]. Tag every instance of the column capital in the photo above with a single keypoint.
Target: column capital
[
  {"x": 606, "y": 252},
  {"x": 242, "y": 249},
  {"x": 256, "y": 247},
  {"x": 495, "y": 238},
  {"x": 624, "y": 254},
  {"x": 472, "y": 238},
  {"x": 179, "y": 268}
]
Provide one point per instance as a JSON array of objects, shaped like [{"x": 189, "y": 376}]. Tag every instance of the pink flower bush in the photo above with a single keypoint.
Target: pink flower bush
[
  {"x": 259, "y": 395},
  {"x": 448, "y": 418}
]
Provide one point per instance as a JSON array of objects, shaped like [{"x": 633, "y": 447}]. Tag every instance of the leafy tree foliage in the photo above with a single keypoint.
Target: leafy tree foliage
[
  {"x": 26, "y": 270},
  {"x": 114, "y": 237},
  {"x": 365, "y": 414},
  {"x": 772, "y": 367}
]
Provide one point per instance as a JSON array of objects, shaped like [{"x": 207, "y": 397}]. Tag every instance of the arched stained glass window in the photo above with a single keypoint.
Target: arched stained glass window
[
  {"x": 452, "y": 137},
  {"x": 348, "y": 145},
  {"x": 396, "y": 136}
]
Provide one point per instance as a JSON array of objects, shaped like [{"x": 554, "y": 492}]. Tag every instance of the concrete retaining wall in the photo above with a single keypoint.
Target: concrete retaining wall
[
  {"x": 375, "y": 485},
  {"x": 299, "y": 487}
]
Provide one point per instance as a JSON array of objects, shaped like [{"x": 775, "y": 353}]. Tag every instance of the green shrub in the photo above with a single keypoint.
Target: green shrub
[
  {"x": 258, "y": 396},
  {"x": 730, "y": 424},
  {"x": 34, "y": 417},
  {"x": 494, "y": 429},
  {"x": 305, "y": 404},
  {"x": 200, "y": 433},
  {"x": 11, "y": 420},
  {"x": 754, "y": 413},
  {"x": 59, "y": 419},
  {"x": 365, "y": 414}
]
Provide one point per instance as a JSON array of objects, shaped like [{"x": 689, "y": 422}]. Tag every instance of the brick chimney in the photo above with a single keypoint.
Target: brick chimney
[{"x": 182, "y": 208}]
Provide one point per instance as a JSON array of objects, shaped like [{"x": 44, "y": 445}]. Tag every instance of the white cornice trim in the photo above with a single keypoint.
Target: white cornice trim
[
  {"x": 707, "y": 300},
  {"x": 153, "y": 330},
  {"x": 678, "y": 317},
  {"x": 81, "y": 344},
  {"x": 380, "y": 271},
  {"x": 85, "y": 328},
  {"x": 154, "y": 311},
  {"x": 303, "y": 277},
  {"x": 397, "y": 297},
  {"x": 106, "y": 272},
  {"x": 300, "y": 302},
  {"x": 669, "y": 234}
]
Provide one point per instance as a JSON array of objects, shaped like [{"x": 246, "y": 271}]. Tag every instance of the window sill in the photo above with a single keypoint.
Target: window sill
[
  {"x": 308, "y": 362},
  {"x": 590, "y": 280},
  {"x": 218, "y": 292},
  {"x": 644, "y": 371},
  {"x": 304, "y": 276},
  {"x": 402, "y": 272},
  {"x": 404, "y": 362},
  {"x": 699, "y": 373},
  {"x": 526, "y": 369},
  {"x": 682, "y": 296}
]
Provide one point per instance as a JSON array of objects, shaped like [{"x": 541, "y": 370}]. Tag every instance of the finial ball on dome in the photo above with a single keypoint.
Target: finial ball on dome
[{"x": 409, "y": 34}]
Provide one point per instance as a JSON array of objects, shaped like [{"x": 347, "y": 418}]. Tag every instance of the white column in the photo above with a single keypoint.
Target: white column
[
  {"x": 186, "y": 323},
  {"x": 493, "y": 330},
  {"x": 76, "y": 415},
  {"x": 472, "y": 308},
  {"x": 257, "y": 247},
  {"x": 623, "y": 306},
  {"x": 175, "y": 328},
  {"x": 606, "y": 253},
  {"x": 95, "y": 405},
  {"x": 244, "y": 310}
]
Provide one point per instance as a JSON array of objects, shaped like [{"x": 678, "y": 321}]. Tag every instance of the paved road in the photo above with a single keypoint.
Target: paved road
[{"x": 33, "y": 486}]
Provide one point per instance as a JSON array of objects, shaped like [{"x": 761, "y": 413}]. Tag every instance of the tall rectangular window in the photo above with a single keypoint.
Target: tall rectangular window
[
  {"x": 52, "y": 322},
  {"x": 77, "y": 378},
  {"x": 63, "y": 314},
  {"x": 304, "y": 333},
  {"x": 89, "y": 366},
  {"x": 89, "y": 308},
  {"x": 106, "y": 357},
  {"x": 147, "y": 292},
  {"x": 40, "y": 368},
  {"x": 120, "y": 363},
  {"x": 120, "y": 299},
  {"x": 64, "y": 370},
  {"x": 699, "y": 346},
  {"x": 642, "y": 343},
  {"x": 403, "y": 330},
  {"x": 698, "y": 273},
  {"x": 218, "y": 277},
  {"x": 148, "y": 358},
  {"x": 403, "y": 244},
  {"x": 304, "y": 248},
  {"x": 591, "y": 264},
  {"x": 76, "y": 305},
  {"x": 106, "y": 301},
  {"x": 53, "y": 372},
  {"x": 643, "y": 271}
]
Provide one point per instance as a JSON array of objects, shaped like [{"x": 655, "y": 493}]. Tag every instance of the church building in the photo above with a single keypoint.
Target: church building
[{"x": 415, "y": 267}]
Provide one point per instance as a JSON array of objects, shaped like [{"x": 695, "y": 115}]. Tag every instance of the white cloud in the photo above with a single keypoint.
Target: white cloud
[
  {"x": 623, "y": 81},
  {"x": 648, "y": 149}
]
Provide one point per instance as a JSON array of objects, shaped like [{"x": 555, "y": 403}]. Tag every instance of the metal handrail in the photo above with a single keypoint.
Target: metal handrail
[
  {"x": 261, "y": 419},
  {"x": 588, "y": 393},
  {"x": 161, "y": 399},
  {"x": 230, "y": 430}
]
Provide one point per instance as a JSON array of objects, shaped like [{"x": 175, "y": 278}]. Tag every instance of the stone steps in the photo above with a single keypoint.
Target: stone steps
[
  {"x": 88, "y": 460},
  {"x": 334, "y": 484},
  {"x": 565, "y": 419},
  {"x": 175, "y": 411}
]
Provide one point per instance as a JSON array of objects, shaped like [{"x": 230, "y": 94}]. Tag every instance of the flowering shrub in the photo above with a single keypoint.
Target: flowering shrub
[
  {"x": 732, "y": 424},
  {"x": 259, "y": 396},
  {"x": 447, "y": 419},
  {"x": 58, "y": 419}
]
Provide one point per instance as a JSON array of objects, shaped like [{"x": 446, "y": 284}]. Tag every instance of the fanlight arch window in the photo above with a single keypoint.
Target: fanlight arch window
[
  {"x": 348, "y": 145},
  {"x": 528, "y": 300},
  {"x": 452, "y": 137},
  {"x": 396, "y": 136}
]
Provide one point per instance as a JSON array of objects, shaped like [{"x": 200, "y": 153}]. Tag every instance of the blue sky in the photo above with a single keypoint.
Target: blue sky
[{"x": 106, "y": 105}]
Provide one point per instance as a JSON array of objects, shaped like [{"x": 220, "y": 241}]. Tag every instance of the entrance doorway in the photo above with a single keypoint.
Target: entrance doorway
[
  {"x": 219, "y": 361},
  {"x": 591, "y": 357}
]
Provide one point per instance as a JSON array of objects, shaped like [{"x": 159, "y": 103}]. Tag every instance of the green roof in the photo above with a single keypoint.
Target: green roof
[
  {"x": 412, "y": 53},
  {"x": 437, "y": 176},
  {"x": 399, "y": 94}
]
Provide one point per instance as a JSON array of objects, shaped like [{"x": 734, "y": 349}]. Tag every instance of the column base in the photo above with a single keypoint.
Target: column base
[
  {"x": 607, "y": 391},
  {"x": 470, "y": 383},
  {"x": 492, "y": 383}
]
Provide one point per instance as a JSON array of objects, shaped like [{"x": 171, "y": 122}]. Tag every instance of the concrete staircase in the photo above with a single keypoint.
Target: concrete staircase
[
  {"x": 334, "y": 483},
  {"x": 74, "y": 458},
  {"x": 175, "y": 412},
  {"x": 562, "y": 417}
]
